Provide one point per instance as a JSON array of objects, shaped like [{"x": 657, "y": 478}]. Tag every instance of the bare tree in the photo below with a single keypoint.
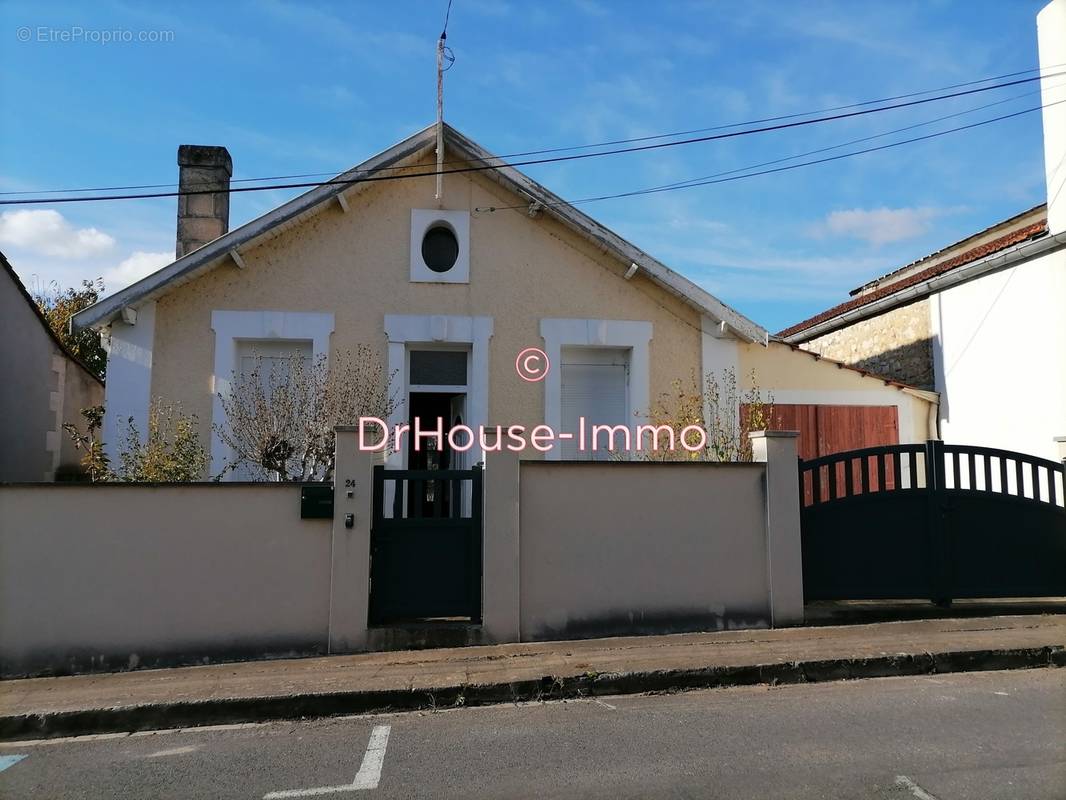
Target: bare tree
[
  {"x": 280, "y": 415},
  {"x": 726, "y": 413}
]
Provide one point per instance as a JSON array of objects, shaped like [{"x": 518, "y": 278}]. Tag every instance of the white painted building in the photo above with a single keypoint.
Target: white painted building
[{"x": 984, "y": 318}]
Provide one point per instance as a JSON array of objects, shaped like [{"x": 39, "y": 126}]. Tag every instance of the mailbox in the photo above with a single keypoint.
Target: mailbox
[{"x": 316, "y": 501}]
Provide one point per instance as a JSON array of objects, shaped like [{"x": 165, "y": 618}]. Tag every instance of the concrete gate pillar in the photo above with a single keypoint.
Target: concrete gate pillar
[
  {"x": 353, "y": 493},
  {"x": 784, "y": 556},
  {"x": 500, "y": 566}
]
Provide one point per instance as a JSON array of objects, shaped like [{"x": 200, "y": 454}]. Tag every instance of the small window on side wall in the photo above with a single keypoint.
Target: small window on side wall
[{"x": 440, "y": 246}]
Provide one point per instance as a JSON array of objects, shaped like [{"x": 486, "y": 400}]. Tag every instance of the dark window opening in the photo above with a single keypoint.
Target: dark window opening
[{"x": 440, "y": 248}]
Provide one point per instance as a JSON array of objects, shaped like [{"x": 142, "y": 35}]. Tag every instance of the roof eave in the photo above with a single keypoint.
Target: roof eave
[
  {"x": 608, "y": 240},
  {"x": 990, "y": 263},
  {"x": 190, "y": 266}
]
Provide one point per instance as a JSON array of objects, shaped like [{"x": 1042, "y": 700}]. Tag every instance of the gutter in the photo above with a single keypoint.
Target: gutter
[{"x": 1017, "y": 254}]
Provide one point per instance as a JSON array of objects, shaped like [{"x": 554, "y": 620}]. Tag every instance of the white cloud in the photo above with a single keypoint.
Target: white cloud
[
  {"x": 592, "y": 8},
  {"x": 47, "y": 232},
  {"x": 135, "y": 267},
  {"x": 877, "y": 225}
]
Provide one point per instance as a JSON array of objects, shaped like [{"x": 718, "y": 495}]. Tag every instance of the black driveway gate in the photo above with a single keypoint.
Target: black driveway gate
[
  {"x": 425, "y": 545},
  {"x": 934, "y": 521}
]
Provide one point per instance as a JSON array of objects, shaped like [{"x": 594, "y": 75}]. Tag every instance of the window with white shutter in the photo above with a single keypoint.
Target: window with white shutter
[{"x": 594, "y": 386}]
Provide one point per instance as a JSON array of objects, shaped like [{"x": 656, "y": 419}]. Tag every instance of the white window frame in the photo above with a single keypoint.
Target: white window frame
[
  {"x": 422, "y": 219},
  {"x": 634, "y": 335},
  {"x": 232, "y": 327},
  {"x": 406, "y": 332}
]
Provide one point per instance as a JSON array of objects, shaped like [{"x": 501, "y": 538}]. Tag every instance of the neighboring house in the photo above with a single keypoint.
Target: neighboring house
[
  {"x": 983, "y": 321},
  {"x": 44, "y": 385},
  {"x": 448, "y": 291}
]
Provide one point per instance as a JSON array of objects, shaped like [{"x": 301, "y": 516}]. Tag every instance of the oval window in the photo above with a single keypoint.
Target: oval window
[{"x": 440, "y": 248}]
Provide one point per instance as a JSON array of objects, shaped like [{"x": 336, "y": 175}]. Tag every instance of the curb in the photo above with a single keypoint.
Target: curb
[{"x": 157, "y": 716}]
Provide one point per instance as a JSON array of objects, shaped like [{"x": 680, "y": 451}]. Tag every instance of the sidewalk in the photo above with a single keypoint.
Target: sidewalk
[{"x": 287, "y": 689}]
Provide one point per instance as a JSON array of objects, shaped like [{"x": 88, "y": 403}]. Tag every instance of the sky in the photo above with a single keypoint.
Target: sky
[{"x": 319, "y": 87}]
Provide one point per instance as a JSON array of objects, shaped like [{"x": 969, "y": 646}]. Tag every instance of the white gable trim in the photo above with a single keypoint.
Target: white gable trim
[{"x": 213, "y": 253}]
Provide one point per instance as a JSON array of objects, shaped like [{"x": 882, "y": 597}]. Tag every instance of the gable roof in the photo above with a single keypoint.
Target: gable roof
[
  {"x": 1011, "y": 232},
  {"x": 214, "y": 253},
  {"x": 21, "y": 287}
]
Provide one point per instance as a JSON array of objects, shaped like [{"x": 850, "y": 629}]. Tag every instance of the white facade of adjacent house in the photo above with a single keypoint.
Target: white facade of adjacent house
[
  {"x": 1000, "y": 357},
  {"x": 985, "y": 318}
]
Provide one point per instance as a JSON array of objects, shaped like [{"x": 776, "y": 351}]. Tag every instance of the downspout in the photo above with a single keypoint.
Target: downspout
[{"x": 933, "y": 420}]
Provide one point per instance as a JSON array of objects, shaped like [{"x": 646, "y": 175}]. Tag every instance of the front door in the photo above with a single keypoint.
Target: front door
[{"x": 430, "y": 409}]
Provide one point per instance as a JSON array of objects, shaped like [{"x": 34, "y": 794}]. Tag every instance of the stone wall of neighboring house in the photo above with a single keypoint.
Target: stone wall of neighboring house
[
  {"x": 41, "y": 388},
  {"x": 897, "y": 344}
]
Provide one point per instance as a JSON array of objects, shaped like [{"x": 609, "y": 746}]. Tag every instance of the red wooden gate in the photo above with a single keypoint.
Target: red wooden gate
[{"x": 825, "y": 430}]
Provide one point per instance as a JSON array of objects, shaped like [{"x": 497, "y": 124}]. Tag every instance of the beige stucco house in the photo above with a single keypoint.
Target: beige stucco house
[
  {"x": 448, "y": 291},
  {"x": 44, "y": 386}
]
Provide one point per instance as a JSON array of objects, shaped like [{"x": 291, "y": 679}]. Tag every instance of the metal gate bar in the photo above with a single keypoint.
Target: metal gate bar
[
  {"x": 945, "y": 532},
  {"x": 426, "y": 565}
]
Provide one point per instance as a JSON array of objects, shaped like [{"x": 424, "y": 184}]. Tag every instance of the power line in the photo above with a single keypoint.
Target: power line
[
  {"x": 371, "y": 177},
  {"x": 567, "y": 148},
  {"x": 447, "y": 16},
  {"x": 682, "y": 184},
  {"x": 710, "y": 181}
]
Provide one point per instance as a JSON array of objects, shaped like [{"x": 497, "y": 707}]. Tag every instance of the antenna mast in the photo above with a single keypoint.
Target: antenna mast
[
  {"x": 444, "y": 57},
  {"x": 440, "y": 114}
]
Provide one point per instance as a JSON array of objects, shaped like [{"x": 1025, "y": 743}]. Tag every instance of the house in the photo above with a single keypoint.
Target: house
[
  {"x": 44, "y": 387},
  {"x": 449, "y": 291},
  {"x": 983, "y": 321}
]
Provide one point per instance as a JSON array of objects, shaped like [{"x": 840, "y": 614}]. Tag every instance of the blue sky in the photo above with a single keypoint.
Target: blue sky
[{"x": 315, "y": 87}]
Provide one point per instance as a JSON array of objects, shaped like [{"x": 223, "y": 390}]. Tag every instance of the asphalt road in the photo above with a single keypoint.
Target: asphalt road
[{"x": 982, "y": 735}]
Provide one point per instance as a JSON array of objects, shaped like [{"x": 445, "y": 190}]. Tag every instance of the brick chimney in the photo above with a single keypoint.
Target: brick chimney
[
  {"x": 202, "y": 218},
  {"x": 1051, "y": 38}
]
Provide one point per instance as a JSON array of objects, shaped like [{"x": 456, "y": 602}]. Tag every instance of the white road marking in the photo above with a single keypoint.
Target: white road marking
[
  {"x": 605, "y": 705},
  {"x": 174, "y": 751},
  {"x": 906, "y": 783},
  {"x": 368, "y": 777},
  {"x": 1002, "y": 694},
  {"x": 10, "y": 761}
]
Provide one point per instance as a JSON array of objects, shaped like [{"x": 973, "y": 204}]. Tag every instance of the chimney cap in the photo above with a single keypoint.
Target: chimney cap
[{"x": 205, "y": 155}]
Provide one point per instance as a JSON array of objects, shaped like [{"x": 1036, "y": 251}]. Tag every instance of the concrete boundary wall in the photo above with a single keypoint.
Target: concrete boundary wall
[
  {"x": 580, "y": 549},
  {"x": 119, "y": 576},
  {"x": 614, "y": 549}
]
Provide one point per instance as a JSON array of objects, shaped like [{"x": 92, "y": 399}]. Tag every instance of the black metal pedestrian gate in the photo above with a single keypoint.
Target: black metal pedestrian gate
[
  {"x": 934, "y": 521},
  {"x": 425, "y": 546}
]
